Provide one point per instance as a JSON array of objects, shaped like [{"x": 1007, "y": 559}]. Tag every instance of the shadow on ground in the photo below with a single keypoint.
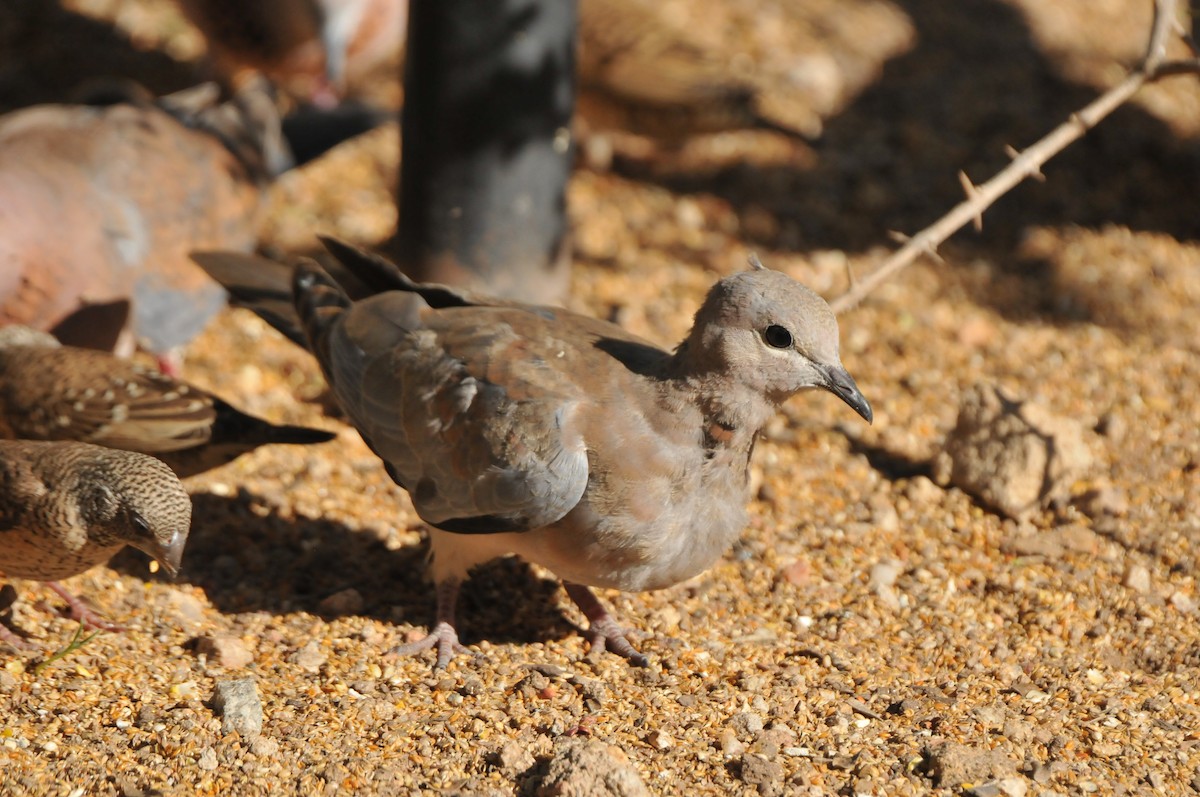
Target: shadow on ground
[
  {"x": 248, "y": 558},
  {"x": 974, "y": 82}
]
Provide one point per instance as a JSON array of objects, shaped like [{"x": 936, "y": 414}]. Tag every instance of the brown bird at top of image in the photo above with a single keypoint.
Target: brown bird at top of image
[
  {"x": 642, "y": 74},
  {"x": 566, "y": 440},
  {"x": 100, "y": 204},
  {"x": 53, "y": 392},
  {"x": 310, "y": 48},
  {"x": 66, "y": 507}
]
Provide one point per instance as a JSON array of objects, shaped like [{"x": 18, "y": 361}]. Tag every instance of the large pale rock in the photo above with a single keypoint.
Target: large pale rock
[{"x": 1015, "y": 456}]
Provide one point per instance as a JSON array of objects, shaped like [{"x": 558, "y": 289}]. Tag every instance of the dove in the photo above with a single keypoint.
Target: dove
[
  {"x": 66, "y": 507},
  {"x": 640, "y": 73},
  {"x": 309, "y": 47},
  {"x": 100, "y": 204},
  {"x": 54, "y": 392},
  {"x": 560, "y": 438}
]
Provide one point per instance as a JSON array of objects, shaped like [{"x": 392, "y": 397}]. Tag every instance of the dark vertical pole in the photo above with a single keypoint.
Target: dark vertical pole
[{"x": 489, "y": 88}]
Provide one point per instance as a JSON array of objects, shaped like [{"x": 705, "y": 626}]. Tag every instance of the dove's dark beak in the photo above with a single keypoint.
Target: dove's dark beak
[
  {"x": 841, "y": 384},
  {"x": 170, "y": 553}
]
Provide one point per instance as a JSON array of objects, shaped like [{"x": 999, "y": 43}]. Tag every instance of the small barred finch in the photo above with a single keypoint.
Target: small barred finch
[
  {"x": 67, "y": 507},
  {"x": 53, "y": 392}
]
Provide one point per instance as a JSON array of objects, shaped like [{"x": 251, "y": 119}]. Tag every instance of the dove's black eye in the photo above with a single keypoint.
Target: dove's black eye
[{"x": 777, "y": 336}]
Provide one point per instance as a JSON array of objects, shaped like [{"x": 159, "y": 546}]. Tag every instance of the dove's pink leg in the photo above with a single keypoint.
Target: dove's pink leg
[
  {"x": 9, "y": 636},
  {"x": 606, "y": 633},
  {"x": 8, "y": 596},
  {"x": 170, "y": 363},
  {"x": 80, "y": 611},
  {"x": 443, "y": 635}
]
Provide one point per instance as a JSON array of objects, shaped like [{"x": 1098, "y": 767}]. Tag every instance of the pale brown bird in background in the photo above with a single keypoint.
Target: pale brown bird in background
[
  {"x": 53, "y": 392},
  {"x": 310, "y": 48},
  {"x": 642, "y": 74},
  {"x": 560, "y": 438},
  {"x": 99, "y": 206},
  {"x": 66, "y": 507}
]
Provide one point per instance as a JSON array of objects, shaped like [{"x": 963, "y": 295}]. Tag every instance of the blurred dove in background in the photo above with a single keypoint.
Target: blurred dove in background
[
  {"x": 310, "y": 48},
  {"x": 100, "y": 204}
]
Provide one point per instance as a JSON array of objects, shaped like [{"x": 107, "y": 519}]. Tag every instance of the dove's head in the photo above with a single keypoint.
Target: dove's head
[
  {"x": 137, "y": 500},
  {"x": 773, "y": 335}
]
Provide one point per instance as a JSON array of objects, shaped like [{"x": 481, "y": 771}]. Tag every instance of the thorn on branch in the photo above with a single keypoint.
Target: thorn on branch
[
  {"x": 1154, "y": 66},
  {"x": 972, "y": 193},
  {"x": 928, "y": 246},
  {"x": 1035, "y": 171}
]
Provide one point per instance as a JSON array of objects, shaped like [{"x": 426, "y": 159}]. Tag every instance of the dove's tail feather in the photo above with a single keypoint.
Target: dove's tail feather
[
  {"x": 320, "y": 300},
  {"x": 234, "y": 425},
  {"x": 258, "y": 283}
]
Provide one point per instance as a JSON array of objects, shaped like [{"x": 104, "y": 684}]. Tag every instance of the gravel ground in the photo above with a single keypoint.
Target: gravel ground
[{"x": 877, "y": 630}]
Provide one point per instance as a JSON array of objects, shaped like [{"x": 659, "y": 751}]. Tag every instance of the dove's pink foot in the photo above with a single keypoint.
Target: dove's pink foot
[
  {"x": 605, "y": 632},
  {"x": 170, "y": 363},
  {"x": 8, "y": 596},
  {"x": 79, "y": 611},
  {"x": 14, "y": 639},
  {"x": 443, "y": 636}
]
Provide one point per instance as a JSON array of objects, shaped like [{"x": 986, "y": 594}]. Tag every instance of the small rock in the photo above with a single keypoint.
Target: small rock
[
  {"x": 884, "y": 514},
  {"x": 660, "y": 740},
  {"x": 1102, "y": 502},
  {"x": 761, "y": 773},
  {"x": 207, "y": 760},
  {"x": 347, "y": 601},
  {"x": 586, "y": 768},
  {"x": 309, "y": 657},
  {"x": 1014, "y": 786},
  {"x": 264, "y": 746},
  {"x": 746, "y": 723},
  {"x": 1112, "y": 426},
  {"x": 990, "y": 716},
  {"x": 1183, "y": 602},
  {"x": 1017, "y": 731},
  {"x": 228, "y": 651},
  {"x": 1015, "y": 456},
  {"x": 798, "y": 573},
  {"x": 513, "y": 758},
  {"x": 1137, "y": 578},
  {"x": 236, "y": 703},
  {"x": 951, "y": 764},
  {"x": 770, "y": 743},
  {"x": 882, "y": 582},
  {"x": 185, "y": 608},
  {"x": 922, "y": 492},
  {"x": 730, "y": 746}
]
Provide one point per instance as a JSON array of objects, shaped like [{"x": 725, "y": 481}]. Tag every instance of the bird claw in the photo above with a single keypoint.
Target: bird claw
[
  {"x": 607, "y": 635},
  {"x": 603, "y": 629},
  {"x": 79, "y": 611},
  {"x": 14, "y": 639},
  {"x": 443, "y": 637}
]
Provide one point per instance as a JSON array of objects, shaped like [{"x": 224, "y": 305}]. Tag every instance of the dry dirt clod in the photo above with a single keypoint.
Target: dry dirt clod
[
  {"x": 585, "y": 768},
  {"x": 238, "y": 705},
  {"x": 1015, "y": 456}
]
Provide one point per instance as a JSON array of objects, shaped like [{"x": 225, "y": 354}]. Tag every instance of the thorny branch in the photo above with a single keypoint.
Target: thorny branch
[{"x": 1154, "y": 66}]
